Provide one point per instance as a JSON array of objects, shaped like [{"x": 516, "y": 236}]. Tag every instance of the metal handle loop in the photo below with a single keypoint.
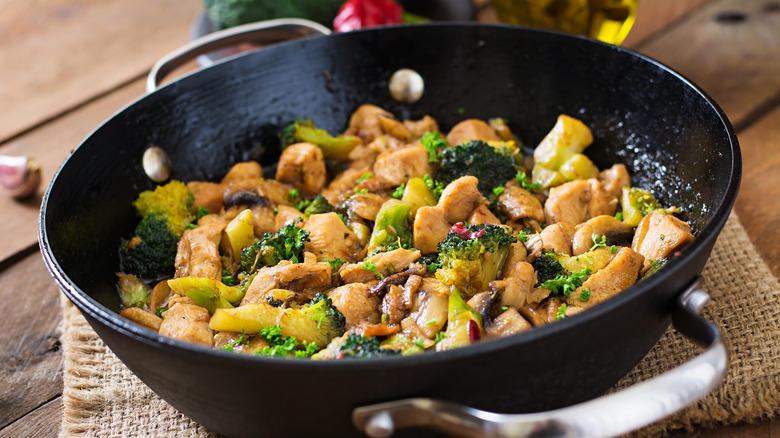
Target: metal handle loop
[
  {"x": 610, "y": 415},
  {"x": 262, "y": 32}
]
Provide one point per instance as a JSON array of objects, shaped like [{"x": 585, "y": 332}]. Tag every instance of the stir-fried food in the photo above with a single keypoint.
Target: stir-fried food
[{"x": 392, "y": 239}]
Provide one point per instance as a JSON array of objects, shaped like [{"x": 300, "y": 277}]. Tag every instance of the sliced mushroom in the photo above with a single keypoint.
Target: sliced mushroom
[{"x": 615, "y": 233}]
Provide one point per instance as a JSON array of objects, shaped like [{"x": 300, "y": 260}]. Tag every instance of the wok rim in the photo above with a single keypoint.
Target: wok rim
[{"x": 676, "y": 266}]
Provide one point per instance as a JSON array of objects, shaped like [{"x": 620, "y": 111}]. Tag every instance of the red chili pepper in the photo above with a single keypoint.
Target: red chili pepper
[
  {"x": 464, "y": 233},
  {"x": 473, "y": 330},
  {"x": 359, "y": 14}
]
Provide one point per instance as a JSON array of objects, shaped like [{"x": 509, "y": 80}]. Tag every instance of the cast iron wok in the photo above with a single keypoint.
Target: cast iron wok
[{"x": 672, "y": 137}]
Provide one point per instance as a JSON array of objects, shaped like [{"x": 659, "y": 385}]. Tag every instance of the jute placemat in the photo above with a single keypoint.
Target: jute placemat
[{"x": 103, "y": 398}]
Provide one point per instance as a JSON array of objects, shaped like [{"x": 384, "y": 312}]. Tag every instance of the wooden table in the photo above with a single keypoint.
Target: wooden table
[{"x": 66, "y": 65}]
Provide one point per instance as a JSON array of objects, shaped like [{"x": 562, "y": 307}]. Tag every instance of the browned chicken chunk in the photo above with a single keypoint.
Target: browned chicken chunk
[
  {"x": 658, "y": 235},
  {"x": 397, "y": 167},
  {"x": 329, "y": 238},
  {"x": 386, "y": 263},
  {"x": 577, "y": 201},
  {"x": 302, "y": 165},
  {"x": 460, "y": 198},
  {"x": 198, "y": 251},
  {"x": 471, "y": 129},
  {"x": 356, "y": 304},
  {"x": 430, "y": 227},
  {"x": 518, "y": 203},
  {"x": 187, "y": 322},
  {"x": 617, "y": 276},
  {"x": 307, "y": 278}
]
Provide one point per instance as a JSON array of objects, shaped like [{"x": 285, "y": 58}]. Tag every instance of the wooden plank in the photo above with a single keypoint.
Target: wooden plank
[
  {"x": 43, "y": 422},
  {"x": 758, "y": 203},
  {"x": 729, "y": 48},
  {"x": 29, "y": 339},
  {"x": 652, "y": 16},
  {"x": 56, "y": 54},
  {"x": 50, "y": 145}
]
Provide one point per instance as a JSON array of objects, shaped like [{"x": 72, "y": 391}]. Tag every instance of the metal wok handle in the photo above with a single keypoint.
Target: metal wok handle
[
  {"x": 610, "y": 415},
  {"x": 262, "y": 32}
]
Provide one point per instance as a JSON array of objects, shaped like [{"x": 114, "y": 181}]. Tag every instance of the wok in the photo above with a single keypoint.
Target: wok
[{"x": 673, "y": 138}]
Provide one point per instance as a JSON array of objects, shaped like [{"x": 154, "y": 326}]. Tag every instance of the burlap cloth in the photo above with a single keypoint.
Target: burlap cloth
[{"x": 103, "y": 398}]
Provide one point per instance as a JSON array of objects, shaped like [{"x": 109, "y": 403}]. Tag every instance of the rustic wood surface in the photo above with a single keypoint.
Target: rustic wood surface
[{"x": 69, "y": 64}]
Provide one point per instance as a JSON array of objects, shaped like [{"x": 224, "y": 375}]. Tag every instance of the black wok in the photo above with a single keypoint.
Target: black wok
[{"x": 673, "y": 138}]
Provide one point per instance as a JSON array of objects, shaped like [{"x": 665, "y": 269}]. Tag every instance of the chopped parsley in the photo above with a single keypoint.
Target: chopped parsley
[
  {"x": 522, "y": 179},
  {"x": 436, "y": 187},
  {"x": 283, "y": 346},
  {"x": 371, "y": 267},
  {"x": 561, "y": 312},
  {"x": 399, "y": 191},
  {"x": 334, "y": 264},
  {"x": 439, "y": 337},
  {"x": 619, "y": 215},
  {"x": 563, "y": 285},
  {"x": 363, "y": 177},
  {"x": 585, "y": 295},
  {"x": 433, "y": 144},
  {"x": 241, "y": 340}
]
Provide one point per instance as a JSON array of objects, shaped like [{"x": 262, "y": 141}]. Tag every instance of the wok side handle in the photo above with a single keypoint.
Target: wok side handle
[
  {"x": 261, "y": 32},
  {"x": 606, "y": 416}
]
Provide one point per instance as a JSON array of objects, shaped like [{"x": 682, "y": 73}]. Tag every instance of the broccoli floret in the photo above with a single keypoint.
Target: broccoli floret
[
  {"x": 229, "y": 13},
  {"x": 360, "y": 347},
  {"x": 319, "y": 205},
  {"x": 284, "y": 346},
  {"x": 473, "y": 256},
  {"x": 151, "y": 252},
  {"x": 319, "y": 321},
  {"x": 333, "y": 148},
  {"x": 285, "y": 244},
  {"x": 546, "y": 267},
  {"x": 493, "y": 167},
  {"x": 171, "y": 202}
]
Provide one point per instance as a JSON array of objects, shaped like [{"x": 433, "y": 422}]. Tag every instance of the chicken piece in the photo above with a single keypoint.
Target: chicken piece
[
  {"x": 356, "y": 304},
  {"x": 207, "y": 195},
  {"x": 307, "y": 278},
  {"x": 285, "y": 216},
  {"x": 385, "y": 144},
  {"x": 159, "y": 295},
  {"x": 329, "y": 238},
  {"x": 365, "y": 205},
  {"x": 518, "y": 203},
  {"x": 514, "y": 289},
  {"x": 614, "y": 179},
  {"x": 471, "y": 129},
  {"x": 397, "y": 167},
  {"x": 362, "y": 156},
  {"x": 395, "y": 129},
  {"x": 302, "y": 165},
  {"x": 577, "y": 201},
  {"x": 197, "y": 254},
  {"x": 342, "y": 183},
  {"x": 420, "y": 127},
  {"x": 517, "y": 254},
  {"x": 617, "y": 276},
  {"x": 460, "y": 198},
  {"x": 250, "y": 192},
  {"x": 396, "y": 261},
  {"x": 364, "y": 122},
  {"x": 429, "y": 307},
  {"x": 483, "y": 215},
  {"x": 558, "y": 237},
  {"x": 430, "y": 228},
  {"x": 243, "y": 171},
  {"x": 248, "y": 346},
  {"x": 263, "y": 219},
  {"x": 658, "y": 235},
  {"x": 507, "y": 323},
  {"x": 187, "y": 322},
  {"x": 615, "y": 232}
]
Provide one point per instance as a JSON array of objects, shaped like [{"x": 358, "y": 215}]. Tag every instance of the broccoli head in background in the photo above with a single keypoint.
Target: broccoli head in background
[
  {"x": 285, "y": 244},
  {"x": 360, "y": 347},
  {"x": 171, "y": 202},
  {"x": 547, "y": 267},
  {"x": 473, "y": 256},
  {"x": 319, "y": 205},
  {"x": 229, "y": 13},
  {"x": 165, "y": 214},
  {"x": 492, "y": 166},
  {"x": 151, "y": 252},
  {"x": 333, "y": 148}
]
